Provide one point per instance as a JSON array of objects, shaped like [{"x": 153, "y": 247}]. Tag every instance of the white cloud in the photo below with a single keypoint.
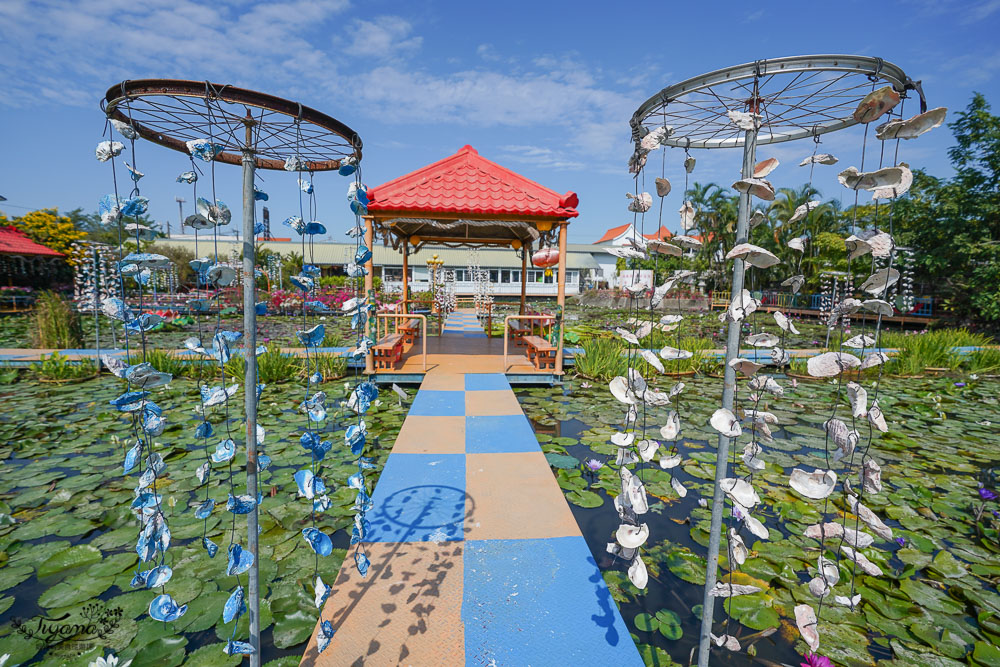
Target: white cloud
[
  {"x": 384, "y": 37},
  {"x": 541, "y": 157}
]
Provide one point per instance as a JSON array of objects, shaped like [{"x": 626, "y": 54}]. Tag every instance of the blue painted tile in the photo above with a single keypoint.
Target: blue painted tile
[
  {"x": 485, "y": 381},
  {"x": 470, "y": 334},
  {"x": 499, "y": 435},
  {"x": 429, "y": 403},
  {"x": 540, "y": 602},
  {"x": 419, "y": 497}
]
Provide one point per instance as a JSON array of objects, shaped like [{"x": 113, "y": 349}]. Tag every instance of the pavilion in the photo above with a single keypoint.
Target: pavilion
[{"x": 465, "y": 200}]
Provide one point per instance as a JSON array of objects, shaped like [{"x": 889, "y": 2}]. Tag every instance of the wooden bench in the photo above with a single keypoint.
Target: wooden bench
[
  {"x": 541, "y": 352},
  {"x": 518, "y": 330},
  {"x": 410, "y": 331},
  {"x": 388, "y": 351}
]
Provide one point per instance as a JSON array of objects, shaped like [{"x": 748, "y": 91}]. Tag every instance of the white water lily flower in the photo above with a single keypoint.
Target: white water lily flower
[
  {"x": 632, "y": 537},
  {"x": 647, "y": 449},
  {"x": 668, "y": 462},
  {"x": 741, "y": 492},
  {"x": 745, "y": 366},
  {"x": 672, "y": 428},
  {"x": 651, "y": 359},
  {"x": 753, "y": 255},
  {"x": 870, "y": 518},
  {"x": 869, "y": 568},
  {"x": 723, "y": 589},
  {"x": 858, "y": 397},
  {"x": 831, "y": 364},
  {"x": 637, "y": 573},
  {"x": 726, "y": 423},
  {"x": 110, "y": 661},
  {"x": 678, "y": 487},
  {"x": 762, "y": 340},
  {"x": 784, "y": 323},
  {"x": 805, "y": 621},
  {"x": 737, "y": 548},
  {"x": 816, "y": 485}
]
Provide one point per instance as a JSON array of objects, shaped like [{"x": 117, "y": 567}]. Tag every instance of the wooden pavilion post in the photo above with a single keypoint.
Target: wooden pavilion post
[
  {"x": 524, "y": 275},
  {"x": 406, "y": 274},
  {"x": 561, "y": 299},
  {"x": 369, "y": 282}
]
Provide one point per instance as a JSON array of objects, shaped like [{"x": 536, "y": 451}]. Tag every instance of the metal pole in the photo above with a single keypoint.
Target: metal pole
[
  {"x": 97, "y": 310},
  {"x": 728, "y": 394},
  {"x": 250, "y": 390}
]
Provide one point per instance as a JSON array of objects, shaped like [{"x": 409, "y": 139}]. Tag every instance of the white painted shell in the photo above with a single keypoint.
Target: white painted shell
[
  {"x": 671, "y": 319},
  {"x": 728, "y": 641},
  {"x": 819, "y": 158},
  {"x": 869, "y": 568},
  {"x": 762, "y": 340},
  {"x": 664, "y": 248},
  {"x": 655, "y": 138},
  {"x": 805, "y": 621},
  {"x": 828, "y": 570},
  {"x": 819, "y": 587},
  {"x": 871, "y": 475},
  {"x": 668, "y": 462},
  {"x": 750, "y": 453},
  {"x": 798, "y": 243},
  {"x": 632, "y": 537},
  {"x": 794, "y": 282},
  {"x": 877, "y": 419},
  {"x": 816, "y": 485},
  {"x": 742, "y": 305},
  {"x": 859, "y": 342},
  {"x": 802, "y": 210},
  {"x": 672, "y": 428},
  {"x": 623, "y": 439},
  {"x": 765, "y": 167},
  {"x": 745, "y": 366},
  {"x": 673, "y": 354},
  {"x": 823, "y": 532},
  {"x": 637, "y": 573},
  {"x": 651, "y": 359},
  {"x": 758, "y": 187},
  {"x": 621, "y": 391},
  {"x": 686, "y": 212},
  {"x": 740, "y": 491},
  {"x": 761, "y": 416},
  {"x": 726, "y": 423},
  {"x": 744, "y": 120},
  {"x": 911, "y": 128},
  {"x": 784, "y": 323},
  {"x": 689, "y": 163},
  {"x": 625, "y": 252},
  {"x": 874, "y": 359},
  {"x": 637, "y": 287},
  {"x": 756, "y": 218},
  {"x": 845, "y": 601},
  {"x": 780, "y": 357},
  {"x": 688, "y": 242},
  {"x": 905, "y": 182},
  {"x": 724, "y": 589},
  {"x": 753, "y": 255},
  {"x": 676, "y": 389},
  {"x": 647, "y": 449},
  {"x": 887, "y": 177},
  {"x": 870, "y": 518},
  {"x": 755, "y": 526},
  {"x": 678, "y": 487},
  {"x": 831, "y": 364},
  {"x": 639, "y": 203},
  {"x": 662, "y": 187},
  {"x": 856, "y": 247},
  {"x": 875, "y": 104},
  {"x": 858, "y": 396},
  {"x": 878, "y": 306}
]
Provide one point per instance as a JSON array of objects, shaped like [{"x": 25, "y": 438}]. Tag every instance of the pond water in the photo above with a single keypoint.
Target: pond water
[
  {"x": 936, "y": 602},
  {"x": 70, "y": 554}
]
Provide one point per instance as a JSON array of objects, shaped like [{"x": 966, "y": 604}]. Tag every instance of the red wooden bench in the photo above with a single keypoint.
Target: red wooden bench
[{"x": 388, "y": 351}]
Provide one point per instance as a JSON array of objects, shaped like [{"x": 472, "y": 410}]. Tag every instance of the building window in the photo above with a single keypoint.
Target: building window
[
  {"x": 515, "y": 276},
  {"x": 494, "y": 275}
]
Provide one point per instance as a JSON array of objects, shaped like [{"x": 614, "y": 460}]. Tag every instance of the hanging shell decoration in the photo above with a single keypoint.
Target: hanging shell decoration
[
  {"x": 876, "y": 104},
  {"x": 911, "y": 128}
]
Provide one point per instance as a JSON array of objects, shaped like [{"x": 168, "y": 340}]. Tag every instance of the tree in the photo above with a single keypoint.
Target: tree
[{"x": 47, "y": 227}]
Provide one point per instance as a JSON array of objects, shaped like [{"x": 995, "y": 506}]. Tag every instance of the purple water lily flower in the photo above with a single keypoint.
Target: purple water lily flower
[
  {"x": 959, "y": 384},
  {"x": 901, "y": 541},
  {"x": 987, "y": 494},
  {"x": 813, "y": 660},
  {"x": 593, "y": 465}
]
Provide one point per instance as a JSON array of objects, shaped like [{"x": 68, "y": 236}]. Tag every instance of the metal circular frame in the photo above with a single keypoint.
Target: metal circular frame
[
  {"x": 171, "y": 112},
  {"x": 798, "y": 97}
]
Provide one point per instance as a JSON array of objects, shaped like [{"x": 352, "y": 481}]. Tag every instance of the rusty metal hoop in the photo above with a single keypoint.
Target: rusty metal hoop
[{"x": 171, "y": 112}]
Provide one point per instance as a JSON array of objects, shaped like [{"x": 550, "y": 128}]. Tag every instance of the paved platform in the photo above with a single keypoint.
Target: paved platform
[{"x": 476, "y": 557}]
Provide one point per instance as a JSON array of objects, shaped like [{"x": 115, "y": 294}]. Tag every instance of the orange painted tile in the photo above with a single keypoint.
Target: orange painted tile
[
  {"x": 499, "y": 402},
  {"x": 407, "y": 611},
  {"x": 514, "y": 496},
  {"x": 431, "y": 435},
  {"x": 439, "y": 381}
]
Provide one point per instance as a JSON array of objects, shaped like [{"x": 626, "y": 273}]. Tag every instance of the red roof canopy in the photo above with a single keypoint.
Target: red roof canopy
[
  {"x": 466, "y": 183},
  {"x": 612, "y": 233},
  {"x": 14, "y": 242},
  {"x": 662, "y": 234}
]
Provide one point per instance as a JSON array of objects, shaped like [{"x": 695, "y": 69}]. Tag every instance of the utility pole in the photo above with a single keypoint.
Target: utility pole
[{"x": 180, "y": 212}]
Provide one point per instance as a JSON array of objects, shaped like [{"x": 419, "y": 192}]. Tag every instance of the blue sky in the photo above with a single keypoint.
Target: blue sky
[{"x": 544, "y": 88}]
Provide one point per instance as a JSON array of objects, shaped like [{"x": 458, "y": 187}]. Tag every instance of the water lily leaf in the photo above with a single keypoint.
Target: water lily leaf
[
  {"x": 687, "y": 566},
  {"x": 211, "y": 655},
  {"x": 946, "y": 565},
  {"x": 645, "y": 622},
  {"x": 294, "y": 628},
  {"x": 563, "y": 461},
  {"x": 584, "y": 498},
  {"x": 11, "y": 576},
  {"x": 75, "y": 556},
  {"x": 112, "y": 565},
  {"x": 929, "y": 597},
  {"x": 669, "y": 624},
  {"x": 753, "y": 611},
  {"x": 986, "y": 654},
  {"x": 21, "y": 649},
  {"x": 74, "y": 590}
]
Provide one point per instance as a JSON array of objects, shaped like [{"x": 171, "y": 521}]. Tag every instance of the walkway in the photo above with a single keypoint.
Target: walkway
[{"x": 476, "y": 558}]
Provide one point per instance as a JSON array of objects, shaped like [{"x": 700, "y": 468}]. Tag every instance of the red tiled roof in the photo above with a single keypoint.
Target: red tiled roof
[
  {"x": 466, "y": 182},
  {"x": 662, "y": 234},
  {"x": 14, "y": 242},
  {"x": 612, "y": 233}
]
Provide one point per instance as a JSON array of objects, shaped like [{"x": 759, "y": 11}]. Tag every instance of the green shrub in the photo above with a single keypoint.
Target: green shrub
[
  {"x": 59, "y": 367},
  {"x": 168, "y": 362},
  {"x": 273, "y": 367},
  {"x": 933, "y": 349},
  {"x": 57, "y": 324},
  {"x": 602, "y": 358}
]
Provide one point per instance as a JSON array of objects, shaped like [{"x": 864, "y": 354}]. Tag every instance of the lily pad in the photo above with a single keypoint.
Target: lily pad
[{"x": 75, "y": 556}]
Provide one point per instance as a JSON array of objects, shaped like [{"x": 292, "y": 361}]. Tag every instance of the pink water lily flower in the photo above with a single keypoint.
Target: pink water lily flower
[{"x": 813, "y": 660}]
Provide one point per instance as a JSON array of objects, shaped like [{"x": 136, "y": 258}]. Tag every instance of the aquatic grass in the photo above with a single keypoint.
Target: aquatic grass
[
  {"x": 273, "y": 366},
  {"x": 933, "y": 349},
  {"x": 330, "y": 366},
  {"x": 602, "y": 359},
  {"x": 58, "y": 367},
  {"x": 166, "y": 361},
  {"x": 57, "y": 324}
]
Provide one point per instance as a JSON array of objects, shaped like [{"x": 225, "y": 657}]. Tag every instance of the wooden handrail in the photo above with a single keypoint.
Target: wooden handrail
[
  {"x": 506, "y": 330},
  {"x": 399, "y": 316}
]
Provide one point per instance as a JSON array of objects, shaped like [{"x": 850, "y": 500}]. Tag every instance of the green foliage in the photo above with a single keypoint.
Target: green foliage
[
  {"x": 57, "y": 324},
  {"x": 59, "y": 367},
  {"x": 47, "y": 227},
  {"x": 180, "y": 257},
  {"x": 168, "y": 362},
  {"x": 8, "y": 374},
  {"x": 273, "y": 367},
  {"x": 602, "y": 359},
  {"x": 933, "y": 349},
  {"x": 331, "y": 366}
]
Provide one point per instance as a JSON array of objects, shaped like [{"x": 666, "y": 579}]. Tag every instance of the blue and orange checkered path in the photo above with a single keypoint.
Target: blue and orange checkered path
[{"x": 476, "y": 557}]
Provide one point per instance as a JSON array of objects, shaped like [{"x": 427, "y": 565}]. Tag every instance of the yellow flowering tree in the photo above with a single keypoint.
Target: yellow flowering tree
[{"x": 47, "y": 227}]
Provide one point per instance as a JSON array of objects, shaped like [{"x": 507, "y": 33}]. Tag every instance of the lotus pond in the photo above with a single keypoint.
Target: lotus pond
[
  {"x": 67, "y": 536},
  {"x": 937, "y": 601}
]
